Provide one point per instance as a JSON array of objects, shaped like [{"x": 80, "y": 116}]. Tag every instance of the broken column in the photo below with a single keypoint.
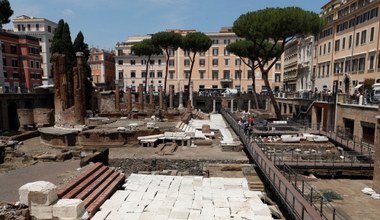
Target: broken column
[
  {"x": 214, "y": 106},
  {"x": 249, "y": 105},
  {"x": 117, "y": 99},
  {"x": 60, "y": 86},
  {"x": 151, "y": 98},
  {"x": 171, "y": 94},
  {"x": 129, "y": 100},
  {"x": 79, "y": 99},
  {"x": 141, "y": 97},
  {"x": 160, "y": 98}
]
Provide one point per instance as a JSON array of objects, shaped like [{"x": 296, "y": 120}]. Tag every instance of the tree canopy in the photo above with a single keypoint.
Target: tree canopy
[
  {"x": 167, "y": 41},
  {"x": 195, "y": 42},
  {"x": 80, "y": 46},
  {"x": 5, "y": 12},
  {"x": 269, "y": 30},
  {"x": 148, "y": 49}
]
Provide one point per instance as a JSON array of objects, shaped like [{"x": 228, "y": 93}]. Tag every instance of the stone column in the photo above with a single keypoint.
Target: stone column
[
  {"x": 180, "y": 101},
  {"x": 160, "y": 97},
  {"x": 171, "y": 94},
  {"x": 61, "y": 102},
  {"x": 141, "y": 97},
  {"x": 213, "y": 106},
  {"x": 129, "y": 100},
  {"x": 191, "y": 95},
  {"x": 151, "y": 98},
  {"x": 376, "y": 168},
  {"x": 79, "y": 99},
  {"x": 232, "y": 105},
  {"x": 117, "y": 99},
  {"x": 249, "y": 105}
]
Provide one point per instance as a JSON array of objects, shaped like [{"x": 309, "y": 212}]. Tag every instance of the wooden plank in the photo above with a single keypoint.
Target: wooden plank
[{"x": 68, "y": 186}]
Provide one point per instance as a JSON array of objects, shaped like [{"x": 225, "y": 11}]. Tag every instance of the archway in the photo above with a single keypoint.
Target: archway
[{"x": 14, "y": 123}]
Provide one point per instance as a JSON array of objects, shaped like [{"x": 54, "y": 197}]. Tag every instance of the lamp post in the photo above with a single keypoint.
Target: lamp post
[
  {"x": 336, "y": 98},
  {"x": 240, "y": 90}
]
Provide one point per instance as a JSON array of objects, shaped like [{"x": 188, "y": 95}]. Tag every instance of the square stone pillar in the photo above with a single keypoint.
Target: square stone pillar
[{"x": 141, "y": 97}]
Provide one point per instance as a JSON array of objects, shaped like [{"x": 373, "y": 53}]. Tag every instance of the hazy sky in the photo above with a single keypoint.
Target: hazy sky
[{"x": 106, "y": 22}]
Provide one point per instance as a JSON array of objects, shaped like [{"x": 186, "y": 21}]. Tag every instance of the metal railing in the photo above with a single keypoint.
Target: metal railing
[{"x": 293, "y": 200}]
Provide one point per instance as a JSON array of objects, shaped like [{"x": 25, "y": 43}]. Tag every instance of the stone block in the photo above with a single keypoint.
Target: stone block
[
  {"x": 68, "y": 209},
  {"x": 38, "y": 193},
  {"x": 41, "y": 212}
]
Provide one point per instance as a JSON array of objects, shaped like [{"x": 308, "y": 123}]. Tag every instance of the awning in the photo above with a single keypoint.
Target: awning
[{"x": 358, "y": 86}]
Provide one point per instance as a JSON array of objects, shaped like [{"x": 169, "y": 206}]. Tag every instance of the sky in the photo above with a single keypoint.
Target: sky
[{"x": 106, "y": 22}]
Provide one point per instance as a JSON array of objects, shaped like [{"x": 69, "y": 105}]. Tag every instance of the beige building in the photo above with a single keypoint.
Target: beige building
[
  {"x": 347, "y": 49},
  {"x": 215, "y": 69}
]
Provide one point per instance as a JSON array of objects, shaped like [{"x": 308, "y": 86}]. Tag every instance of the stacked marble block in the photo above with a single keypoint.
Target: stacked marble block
[{"x": 43, "y": 202}]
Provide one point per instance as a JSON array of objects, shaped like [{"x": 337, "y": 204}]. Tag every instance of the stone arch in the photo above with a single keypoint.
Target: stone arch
[{"x": 13, "y": 121}]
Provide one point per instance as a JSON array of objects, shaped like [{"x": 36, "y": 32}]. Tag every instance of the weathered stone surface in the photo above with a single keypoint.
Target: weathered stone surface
[
  {"x": 38, "y": 193},
  {"x": 68, "y": 209}
]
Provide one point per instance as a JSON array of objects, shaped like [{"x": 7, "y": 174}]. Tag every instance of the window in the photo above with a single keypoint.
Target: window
[
  {"x": 120, "y": 52},
  {"x": 159, "y": 61},
  {"x": 37, "y": 27},
  {"x": 28, "y": 27},
  {"x": 201, "y": 74},
  {"x": 214, "y": 62},
  {"x": 226, "y": 52},
  {"x": 171, "y": 74},
  {"x": 133, "y": 74},
  {"x": 278, "y": 66},
  {"x": 357, "y": 39},
  {"x": 15, "y": 63},
  {"x": 120, "y": 62},
  {"x": 361, "y": 66},
  {"x": 37, "y": 65},
  {"x": 354, "y": 65},
  {"x": 371, "y": 62},
  {"x": 237, "y": 62},
  {"x": 13, "y": 49},
  {"x": 171, "y": 62},
  {"x": 227, "y": 41},
  {"x": 329, "y": 49},
  {"x": 49, "y": 29},
  {"x": 237, "y": 74},
  {"x": 171, "y": 52},
  {"x": 372, "y": 34},
  {"x": 151, "y": 74},
  {"x": 277, "y": 77},
  {"x": 187, "y": 74},
  {"x": 187, "y": 62},
  {"x": 159, "y": 74},
  {"x": 143, "y": 74},
  {"x": 324, "y": 49},
  {"x": 226, "y": 62},
  {"x": 202, "y": 62},
  {"x": 215, "y": 74},
  {"x": 202, "y": 54},
  {"x": 249, "y": 74},
  {"x": 226, "y": 74},
  {"x": 31, "y": 64},
  {"x": 151, "y": 62},
  {"x": 133, "y": 62},
  {"x": 364, "y": 37},
  {"x": 349, "y": 42},
  {"x": 121, "y": 74},
  {"x": 215, "y": 41},
  {"x": 343, "y": 43},
  {"x": 215, "y": 51},
  {"x": 347, "y": 66},
  {"x": 337, "y": 45}
]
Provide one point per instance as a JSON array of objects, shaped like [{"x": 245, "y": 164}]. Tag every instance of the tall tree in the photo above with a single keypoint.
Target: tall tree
[
  {"x": 167, "y": 41},
  {"x": 148, "y": 49},
  {"x": 244, "y": 49},
  {"x": 193, "y": 43},
  {"x": 5, "y": 12},
  {"x": 269, "y": 30},
  {"x": 80, "y": 46}
]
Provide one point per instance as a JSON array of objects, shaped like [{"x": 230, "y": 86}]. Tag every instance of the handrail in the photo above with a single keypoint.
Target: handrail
[{"x": 296, "y": 204}]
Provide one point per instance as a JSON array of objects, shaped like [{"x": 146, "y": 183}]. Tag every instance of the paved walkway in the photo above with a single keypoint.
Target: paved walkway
[{"x": 54, "y": 172}]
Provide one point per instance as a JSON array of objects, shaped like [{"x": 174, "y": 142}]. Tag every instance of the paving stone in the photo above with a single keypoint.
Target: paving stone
[
  {"x": 131, "y": 216},
  {"x": 135, "y": 196},
  {"x": 222, "y": 213},
  {"x": 147, "y": 216},
  {"x": 179, "y": 214},
  {"x": 101, "y": 215},
  {"x": 128, "y": 207}
]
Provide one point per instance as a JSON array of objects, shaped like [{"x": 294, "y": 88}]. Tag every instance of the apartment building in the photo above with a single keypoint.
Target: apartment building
[
  {"x": 217, "y": 68},
  {"x": 298, "y": 65},
  {"x": 43, "y": 29},
  {"x": 102, "y": 65},
  {"x": 21, "y": 62},
  {"x": 347, "y": 49}
]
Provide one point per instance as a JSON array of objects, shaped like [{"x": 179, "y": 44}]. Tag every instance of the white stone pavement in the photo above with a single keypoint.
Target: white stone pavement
[
  {"x": 184, "y": 197},
  {"x": 216, "y": 122}
]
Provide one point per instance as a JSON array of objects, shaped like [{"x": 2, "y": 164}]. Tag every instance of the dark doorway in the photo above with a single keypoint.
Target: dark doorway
[{"x": 14, "y": 123}]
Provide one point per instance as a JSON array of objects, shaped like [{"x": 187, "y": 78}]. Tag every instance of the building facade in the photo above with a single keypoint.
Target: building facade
[
  {"x": 217, "y": 68},
  {"x": 347, "y": 49},
  {"x": 21, "y": 62},
  {"x": 42, "y": 29},
  {"x": 102, "y": 65}
]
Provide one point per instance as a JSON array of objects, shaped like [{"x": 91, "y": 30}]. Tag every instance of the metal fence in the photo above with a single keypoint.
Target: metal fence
[{"x": 297, "y": 195}]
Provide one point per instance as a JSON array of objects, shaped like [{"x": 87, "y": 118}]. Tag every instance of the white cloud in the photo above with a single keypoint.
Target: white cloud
[{"x": 68, "y": 12}]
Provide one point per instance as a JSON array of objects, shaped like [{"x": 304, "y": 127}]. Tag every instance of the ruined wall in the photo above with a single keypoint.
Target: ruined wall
[{"x": 194, "y": 167}]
